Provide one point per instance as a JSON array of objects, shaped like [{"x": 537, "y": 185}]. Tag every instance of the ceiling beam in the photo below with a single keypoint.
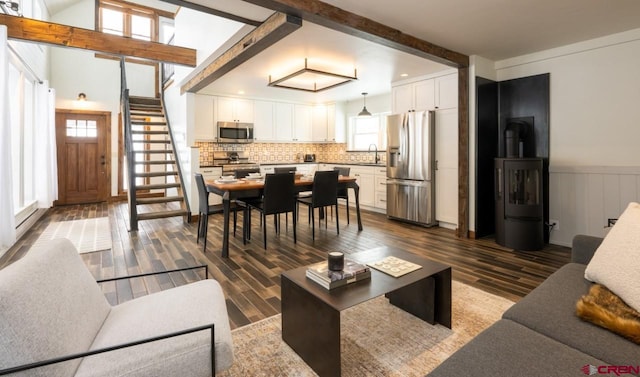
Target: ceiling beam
[
  {"x": 338, "y": 19},
  {"x": 212, "y": 11},
  {"x": 31, "y": 30},
  {"x": 271, "y": 31}
]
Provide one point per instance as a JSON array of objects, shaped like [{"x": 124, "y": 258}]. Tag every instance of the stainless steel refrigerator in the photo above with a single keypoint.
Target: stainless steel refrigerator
[{"x": 411, "y": 167}]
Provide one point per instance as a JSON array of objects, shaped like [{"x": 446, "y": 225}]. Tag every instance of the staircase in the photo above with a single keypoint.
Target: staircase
[{"x": 152, "y": 162}]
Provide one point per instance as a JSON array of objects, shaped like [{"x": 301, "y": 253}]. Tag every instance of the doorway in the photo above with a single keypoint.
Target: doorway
[{"x": 83, "y": 139}]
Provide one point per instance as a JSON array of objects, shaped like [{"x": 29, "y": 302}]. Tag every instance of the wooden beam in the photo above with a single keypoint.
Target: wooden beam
[
  {"x": 30, "y": 30},
  {"x": 212, "y": 11},
  {"x": 271, "y": 31},
  {"x": 463, "y": 152},
  {"x": 338, "y": 19}
]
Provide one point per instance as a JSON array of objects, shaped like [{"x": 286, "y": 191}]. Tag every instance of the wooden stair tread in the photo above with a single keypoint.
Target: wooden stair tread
[
  {"x": 151, "y": 141},
  {"x": 156, "y": 186},
  {"x": 145, "y": 132},
  {"x": 156, "y": 162},
  {"x": 157, "y": 174},
  {"x": 155, "y": 151},
  {"x": 161, "y": 199},
  {"x": 162, "y": 214},
  {"x": 145, "y": 123}
]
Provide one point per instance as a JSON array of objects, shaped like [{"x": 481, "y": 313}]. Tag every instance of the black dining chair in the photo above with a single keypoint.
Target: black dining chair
[
  {"x": 291, "y": 169},
  {"x": 343, "y": 192},
  {"x": 278, "y": 197},
  {"x": 243, "y": 173},
  {"x": 205, "y": 209},
  {"x": 323, "y": 194}
]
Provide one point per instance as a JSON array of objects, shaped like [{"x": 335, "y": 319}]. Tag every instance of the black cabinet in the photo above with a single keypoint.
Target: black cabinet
[{"x": 519, "y": 203}]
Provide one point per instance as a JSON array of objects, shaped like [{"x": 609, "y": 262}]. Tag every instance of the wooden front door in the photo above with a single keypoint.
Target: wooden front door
[{"x": 83, "y": 165}]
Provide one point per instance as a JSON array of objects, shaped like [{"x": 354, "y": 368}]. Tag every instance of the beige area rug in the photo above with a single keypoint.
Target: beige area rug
[
  {"x": 86, "y": 235},
  {"x": 377, "y": 339}
]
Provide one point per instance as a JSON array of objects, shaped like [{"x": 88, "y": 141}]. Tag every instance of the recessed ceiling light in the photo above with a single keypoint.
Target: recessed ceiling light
[
  {"x": 404, "y": 74},
  {"x": 240, "y": 91}
]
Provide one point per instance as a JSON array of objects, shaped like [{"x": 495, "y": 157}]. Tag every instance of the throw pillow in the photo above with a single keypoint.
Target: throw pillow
[
  {"x": 616, "y": 263},
  {"x": 603, "y": 308}
]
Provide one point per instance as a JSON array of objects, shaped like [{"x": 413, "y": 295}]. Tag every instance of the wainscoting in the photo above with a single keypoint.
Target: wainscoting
[{"x": 582, "y": 198}]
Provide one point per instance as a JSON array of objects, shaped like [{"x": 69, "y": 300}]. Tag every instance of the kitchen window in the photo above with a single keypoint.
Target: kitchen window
[{"x": 364, "y": 131}]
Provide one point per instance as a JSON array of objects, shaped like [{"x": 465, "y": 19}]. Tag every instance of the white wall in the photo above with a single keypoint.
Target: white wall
[
  {"x": 375, "y": 104},
  {"x": 74, "y": 71},
  {"x": 594, "y": 128}
]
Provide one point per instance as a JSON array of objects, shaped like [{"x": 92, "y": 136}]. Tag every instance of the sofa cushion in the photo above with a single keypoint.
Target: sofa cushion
[
  {"x": 50, "y": 306},
  {"x": 510, "y": 349},
  {"x": 617, "y": 261},
  {"x": 175, "y": 309},
  {"x": 550, "y": 309}
]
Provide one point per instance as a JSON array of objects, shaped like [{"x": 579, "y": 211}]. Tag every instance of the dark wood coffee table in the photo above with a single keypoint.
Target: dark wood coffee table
[{"x": 311, "y": 314}]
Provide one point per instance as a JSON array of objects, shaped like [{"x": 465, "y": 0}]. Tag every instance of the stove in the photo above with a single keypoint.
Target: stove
[{"x": 232, "y": 161}]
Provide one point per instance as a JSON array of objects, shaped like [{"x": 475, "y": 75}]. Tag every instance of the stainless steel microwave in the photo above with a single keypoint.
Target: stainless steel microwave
[{"x": 233, "y": 132}]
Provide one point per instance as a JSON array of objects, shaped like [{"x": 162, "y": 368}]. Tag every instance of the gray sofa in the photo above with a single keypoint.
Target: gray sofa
[{"x": 541, "y": 334}]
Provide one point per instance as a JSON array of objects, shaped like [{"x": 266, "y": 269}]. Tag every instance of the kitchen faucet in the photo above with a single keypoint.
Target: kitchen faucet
[{"x": 376, "y": 158}]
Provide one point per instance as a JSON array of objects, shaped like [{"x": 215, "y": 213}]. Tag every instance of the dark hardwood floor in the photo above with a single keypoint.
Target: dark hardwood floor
[{"x": 250, "y": 277}]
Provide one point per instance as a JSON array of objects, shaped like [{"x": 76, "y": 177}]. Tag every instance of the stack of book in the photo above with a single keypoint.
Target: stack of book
[{"x": 351, "y": 273}]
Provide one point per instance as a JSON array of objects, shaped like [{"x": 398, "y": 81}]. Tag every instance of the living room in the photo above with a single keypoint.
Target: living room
[{"x": 593, "y": 164}]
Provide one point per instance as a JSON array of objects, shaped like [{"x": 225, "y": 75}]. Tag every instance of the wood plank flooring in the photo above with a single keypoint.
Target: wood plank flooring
[{"x": 250, "y": 277}]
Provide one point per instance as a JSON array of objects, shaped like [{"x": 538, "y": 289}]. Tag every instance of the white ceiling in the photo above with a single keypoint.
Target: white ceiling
[{"x": 494, "y": 29}]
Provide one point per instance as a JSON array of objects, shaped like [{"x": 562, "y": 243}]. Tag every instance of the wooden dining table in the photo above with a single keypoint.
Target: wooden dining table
[{"x": 244, "y": 188}]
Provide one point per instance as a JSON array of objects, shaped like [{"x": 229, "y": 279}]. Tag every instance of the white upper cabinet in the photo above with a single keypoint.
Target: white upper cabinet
[
  {"x": 424, "y": 96},
  {"x": 446, "y": 91},
  {"x": 302, "y": 122},
  {"x": 235, "y": 110},
  {"x": 431, "y": 94},
  {"x": 336, "y": 131},
  {"x": 263, "y": 125},
  {"x": 283, "y": 121},
  {"x": 319, "y": 124},
  {"x": 204, "y": 121}
]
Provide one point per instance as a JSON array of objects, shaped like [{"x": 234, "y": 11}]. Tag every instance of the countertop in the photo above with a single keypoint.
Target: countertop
[{"x": 317, "y": 162}]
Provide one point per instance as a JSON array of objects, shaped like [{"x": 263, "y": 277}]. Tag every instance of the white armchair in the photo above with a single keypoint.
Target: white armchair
[{"x": 52, "y": 310}]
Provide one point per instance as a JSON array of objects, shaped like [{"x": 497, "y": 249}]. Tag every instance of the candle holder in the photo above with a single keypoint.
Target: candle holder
[{"x": 336, "y": 261}]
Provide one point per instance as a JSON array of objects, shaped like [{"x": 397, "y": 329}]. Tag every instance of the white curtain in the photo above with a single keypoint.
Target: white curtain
[
  {"x": 7, "y": 219},
  {"x": 46, "y": 166}
]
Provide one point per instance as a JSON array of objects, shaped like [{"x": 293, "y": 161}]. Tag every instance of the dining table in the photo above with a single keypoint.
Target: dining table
[{"x": 246, "y": 188}]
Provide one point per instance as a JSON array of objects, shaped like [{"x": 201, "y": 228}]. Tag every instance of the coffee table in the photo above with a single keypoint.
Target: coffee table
[{"x": 311, "y": 314}]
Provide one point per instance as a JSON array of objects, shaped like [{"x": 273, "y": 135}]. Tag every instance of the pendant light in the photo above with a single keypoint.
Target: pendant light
[{"x": 364, "y": 112}]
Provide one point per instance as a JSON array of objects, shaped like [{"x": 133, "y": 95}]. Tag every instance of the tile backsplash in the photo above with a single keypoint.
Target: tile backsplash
[{"x": 265, "y": 153}]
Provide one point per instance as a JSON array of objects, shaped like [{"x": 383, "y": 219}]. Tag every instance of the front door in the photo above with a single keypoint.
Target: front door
[{"x": 83, "y": 168}]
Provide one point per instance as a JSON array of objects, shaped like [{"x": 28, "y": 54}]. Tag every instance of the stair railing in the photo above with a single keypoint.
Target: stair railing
[
  {"x": 176, "y": 156},
  {"x": 128, "y": 143}
]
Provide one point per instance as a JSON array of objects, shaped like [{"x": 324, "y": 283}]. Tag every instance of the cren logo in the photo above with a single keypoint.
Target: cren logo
[{"x": 589, "y": 369}]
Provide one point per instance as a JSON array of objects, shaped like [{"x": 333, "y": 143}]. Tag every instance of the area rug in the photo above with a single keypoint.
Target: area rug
[
  {"x": 377, "y": 339},
  {"x": 87, "y": 235}
]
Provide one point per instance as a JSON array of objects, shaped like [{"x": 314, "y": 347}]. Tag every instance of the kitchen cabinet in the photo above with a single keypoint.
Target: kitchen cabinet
[
  {"x": 283, "y": 121},
  {"x": 446, "y": 91},
  {"x": 336, "y": 130},
  {"x": 235, "y": 110},
  {"x": 365, "y": 178},
  {"x": 380, "y": 194},
  {"x": 263, "y": 126},
  {"x": 319, "y": 124},
  {"x": 302, "y": 122},
  {"x": 306, "y": 169},
  {"x": 204, "y": 117},
  {"x": 435, "y": 93},
  {"x": 447, "y": 166},
  {"x": 211, "y": 174}
]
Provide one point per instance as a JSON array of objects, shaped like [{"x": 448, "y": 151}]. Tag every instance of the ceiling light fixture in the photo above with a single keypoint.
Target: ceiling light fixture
[
  {"x": 364, "y": 112},
  {"x": 82, "y": 97},
  {"x": 312, "y": 80}
]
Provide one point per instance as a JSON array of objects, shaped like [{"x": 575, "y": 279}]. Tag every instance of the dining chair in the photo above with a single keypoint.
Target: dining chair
[
  {"x": 243, "y": 173},
  {"x": 323, "y": 194},
  {"x": 278, "y": 197},
  {"x": 291, "y": 169},
  {"x": 343, "y": 192},
  {"x": 205, "y": 209}
]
